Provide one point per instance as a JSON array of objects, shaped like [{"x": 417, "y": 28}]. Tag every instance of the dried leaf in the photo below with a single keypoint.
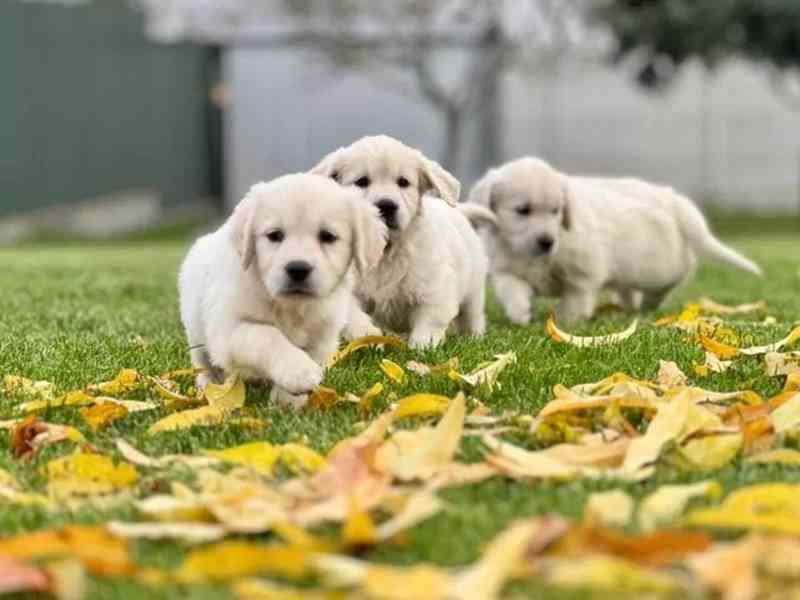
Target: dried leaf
[
  {"x": 132, "y": 455},
  {"x": 777, "y": 363},
  {"x": 420, "y": 454},
  {"x": 392, "y": 370},
  {"x": 780, "y": 456},
  {"x": 487, "y": 373},
  {"x": 19, "y": 577},
  {"x": 365, "y": 342},
  {"x": 301, "y": 459},
  {"x": 188, "y": 532},
  {"x": 125, "y": 381},
  {"x": 421, "y": 404},
  {"x": 229, "y": 395},
  {"x": 726, "y": 351},
  {"x": 707, "y": 305},
  {"x": 87, "y": 474},
  {"x": 417, "y": 507},
  {"x": 558, "y": 335},
  {"x": 260, "y": 456},
  {"x": 76, "y": 398},
  {"x": 102, "y": 415},
  {"x": 613, "y": 508},
  {"x": 16, "y": 385},
  {"x": 205, "y": 416},
  {"x": 610, "y": 574},
  {"x": 100, "y": 552},
  {"x": 424, "y": 370},
  {"x": 232, "y": 559},
  {"x": 669, "y": 501},
  {"x": 670, "y": 374},
  {"x": 323, "y": 397},
  {"x": 30, "y": 434},
  {"x": 359, "y": 528},
  {"x": 68, "y": 579},
  {"x": 786, "y": 417},
  {"x": 765, "y": 507},
  {"x": 132, "y": 406},
  {"x": 259, "y": 589}
]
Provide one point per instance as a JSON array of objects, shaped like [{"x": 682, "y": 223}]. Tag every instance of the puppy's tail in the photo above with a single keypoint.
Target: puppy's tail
[
  {"x": 477, "y": 215},
  {"x": 695, "y": 229}
]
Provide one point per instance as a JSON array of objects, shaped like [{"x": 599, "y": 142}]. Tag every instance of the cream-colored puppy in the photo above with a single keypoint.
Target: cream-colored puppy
[
  {"x": 571, "y": 237},
  {"x": 268, "y": 293},
  {"x": 434, "y": 268}
]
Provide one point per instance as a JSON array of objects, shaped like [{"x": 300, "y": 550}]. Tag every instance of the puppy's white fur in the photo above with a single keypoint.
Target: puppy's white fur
[
  {"x": 571, "y": 237},
  {"x": 240, "y": 307},
  {"x": 434, "y": 269}
]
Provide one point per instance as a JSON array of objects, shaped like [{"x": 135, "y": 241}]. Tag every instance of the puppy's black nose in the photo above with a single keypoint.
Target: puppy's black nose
[
  {"x": 387, "y": 208},
  {"x": 298, "y": 270},
  {"x": 545, "y": 243}
]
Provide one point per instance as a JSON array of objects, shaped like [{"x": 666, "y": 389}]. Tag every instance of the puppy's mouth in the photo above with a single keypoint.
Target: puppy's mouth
[{"x": 297, "y": 291}]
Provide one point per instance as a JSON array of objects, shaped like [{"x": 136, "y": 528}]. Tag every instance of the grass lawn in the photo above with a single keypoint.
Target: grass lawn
[{"x": 75, "y": 314}]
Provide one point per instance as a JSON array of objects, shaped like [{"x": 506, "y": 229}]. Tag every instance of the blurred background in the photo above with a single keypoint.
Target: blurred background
[{"x": 123, "y": 116}]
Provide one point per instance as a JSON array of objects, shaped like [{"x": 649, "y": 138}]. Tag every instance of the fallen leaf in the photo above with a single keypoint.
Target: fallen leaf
[
  {"x": 786, "y": 363},
  {"x": 301, "y": 459},
  {"x": 420, "y": 454},
  {"x": 610, "y": 574},
  {"x": 364, "y": 342},
  {"x": 229, "y": 395},
  {"x": 779, "y": 456},
  {"x": 188, "y": 532},
  {"x": 727, "y": 351},
  {"x": 670, "y": 374},
  {"x": 102, "y": 553},
  {"x": 68, "y": 579},
  {"x": 359, "y": 528},
  {"x": 259, "y": 589},
  {"x": 416, "y": 507},
  {"x": 30, "y": 434},
  {"x": 613, "y": 508},
  {"x": 76, "y": 398},
  {"x": 668, "y": 502},
  {"x": 19, "y": 577},
  {"x": 764, "y": 507},
  {"x": 260, "y": 456},
  {"x": 424, "y": 370},
  {"x": 421, "y": 405},
  {"x": 323, "y": 397},
  {"x": 707, "y": 305},
  {"x": 125, "y": 381},
  {"x": 133, "y": 455},
  {"x": 787, "y": 416},
  {"x": 16, "y": 385},
  {"x": 487, "y": 373},
  {"x": 102, "y": 415},
  {"x": 205, "y": 416},
  {"x": 392, "y": 370},
  {"x": 87, "y": 474},
  {"x": 558, "y": 335},
  {"x": 230, "y": 560}
]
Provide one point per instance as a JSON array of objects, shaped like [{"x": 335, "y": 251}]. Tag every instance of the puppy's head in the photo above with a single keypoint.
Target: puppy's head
[
  {"x": 301, "y": 232},
  {"x": 391, "y": 176},
  {"x": 532, "y": 204}
]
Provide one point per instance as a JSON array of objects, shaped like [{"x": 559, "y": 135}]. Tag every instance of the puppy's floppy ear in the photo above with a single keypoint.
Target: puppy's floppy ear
[
  {"x": 369, "y": 236},
  {"x": 566, "y": 213},
  {"x": 242, "y": 234},
  {"x": 435, "y": 177},
  {"x": 329, "y": 165},
  {"x": 481, "y": 192}
]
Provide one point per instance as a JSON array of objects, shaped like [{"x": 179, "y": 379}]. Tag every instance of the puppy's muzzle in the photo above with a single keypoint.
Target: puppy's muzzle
[
  {"x": 388, "y": 211},
  {"x": 297, "y": 274}
]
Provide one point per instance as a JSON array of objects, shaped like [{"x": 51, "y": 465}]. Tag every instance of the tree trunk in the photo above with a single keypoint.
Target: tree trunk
[
  {"x": 489, "y": 146},
  {"x": 451, "y": 155}
]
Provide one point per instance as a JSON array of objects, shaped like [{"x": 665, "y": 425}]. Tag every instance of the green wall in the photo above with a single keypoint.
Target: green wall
[{"x": 88, "y": 106}]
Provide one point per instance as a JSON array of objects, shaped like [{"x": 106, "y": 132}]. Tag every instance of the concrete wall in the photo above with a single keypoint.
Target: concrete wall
[{"x": 725, "y": 139}]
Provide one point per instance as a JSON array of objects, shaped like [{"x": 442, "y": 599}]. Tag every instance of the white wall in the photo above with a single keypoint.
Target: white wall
[{"x": 724, "y": 137}]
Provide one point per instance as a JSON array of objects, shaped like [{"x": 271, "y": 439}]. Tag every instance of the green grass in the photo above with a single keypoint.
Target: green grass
[{"x": 74, "y": 315}]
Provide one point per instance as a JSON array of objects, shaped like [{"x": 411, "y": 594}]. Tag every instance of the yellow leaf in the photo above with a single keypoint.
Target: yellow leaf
[
  {"x": 670, "y": 374},
  {"x": 204, "y": 416},
  {"x": 417, "y": 507},
  {"x": 260, "y": 589},
  {"x": 102, "y": 415},
  {"x": 228, "y": 396},
  {"x": 765, "y": 507},
  {"x": 16, "y": 385},
  {"x": 261, "y": 456},
  {"x": 86, "y": 474},
  {"x": 707, "y": 305},
  {"x": 132, "y": 455},
  {"x": 188, "y": 532},
  {"x": 365, "y": 342},
  {"x": 558, "y": 335},
  {"x": 358, "y": 529},
  {"x": 68, "y": 579},
  {"x": 787, "y": 416},
  {"x": 323, "y": 397},
  {"x": 613, "y": 508},
  {"x": 779, "y": 456},
  {"x": 665, "y": 504},
  {"x": 392, "y": 370},
  {"x": 487, "y": 373},
  {"x": 126, "y": 380},
  {"x": 232, "y": 559},
  {"x": 419, "y": 582},
  {"x": 301, "y": 459},
  {"x": 76, "y": 398},
  {"x": 368, "y": 397},
  {"x": 718, "y": 348},
  {"x": 421, "y": 404},
  {"x": 420, "y": 454},
  {"x": 776, "y": 363},
  {"x": 610, "y": 574},
  {"x": 423, "y": 370}
]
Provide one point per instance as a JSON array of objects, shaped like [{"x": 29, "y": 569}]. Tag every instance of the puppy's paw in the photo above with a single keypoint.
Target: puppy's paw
[
  {"x": 297, "y": 373},
  {"x": 354, "y": 331},
  {"x": 422, "y": 339},
  {"x": 519, "y": 317},
  {"x": 281, "y": 396}
]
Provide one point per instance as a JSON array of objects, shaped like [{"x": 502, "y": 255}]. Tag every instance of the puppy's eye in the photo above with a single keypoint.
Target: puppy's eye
[
  {"x": 555, "y": 210},
  {"x": 403, "y": 182},
  {"x": 335, "y": 176},
  {"x": 363, "y": 182},
  {"x": 276, "y": 236},
  {"x": 326, "y": 237},
  {"x": 523, "y": 210}
]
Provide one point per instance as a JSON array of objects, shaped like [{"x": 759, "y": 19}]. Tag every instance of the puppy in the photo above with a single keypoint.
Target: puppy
[
  {"x": 267, "y": 294},
  {"x": 434, "y": 268},
  {"x": 571, "y": 237}
]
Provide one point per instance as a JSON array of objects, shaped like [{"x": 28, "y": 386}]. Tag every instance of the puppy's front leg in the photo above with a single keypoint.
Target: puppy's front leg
[
  {"x": 429, "y": 323},
  {"x": 265, "y": 350},
  {"x": 576, "y": 304},
  {"x": 359, "y": 323},
  {"x": 515, "y": 296}
]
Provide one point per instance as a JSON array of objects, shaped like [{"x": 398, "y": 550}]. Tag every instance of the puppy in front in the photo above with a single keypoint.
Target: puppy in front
[
  {"x": 434, "y": 268},
  {"x": 268, "y": 293},
  {"x": 571, "y": 237}
]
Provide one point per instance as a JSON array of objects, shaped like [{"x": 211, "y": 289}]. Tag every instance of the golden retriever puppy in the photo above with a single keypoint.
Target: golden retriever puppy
[
  {"x": 571, "y": 237},
  {"x": 433, "y": 270},
  {"x": 267, "y": 294}
]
